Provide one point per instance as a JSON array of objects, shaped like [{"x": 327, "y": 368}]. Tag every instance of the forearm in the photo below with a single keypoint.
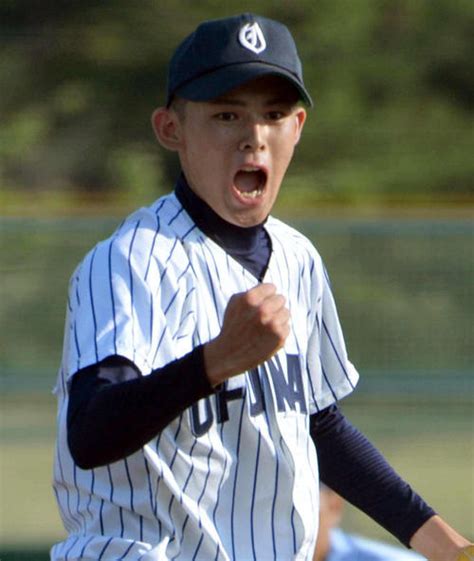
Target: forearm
[
  {"x": 110, "y": 419},
  {"x": 356, "y": 470}
]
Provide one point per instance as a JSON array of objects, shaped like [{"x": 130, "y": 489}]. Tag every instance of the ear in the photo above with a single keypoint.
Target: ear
[
  {"x": 167, "y": 127},
  {"x": 300, "y": 116}
]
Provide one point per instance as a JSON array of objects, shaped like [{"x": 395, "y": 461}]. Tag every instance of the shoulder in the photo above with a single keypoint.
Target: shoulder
[
  {"x": 147, "y": 242},
  {"x": 153, "y": 231},
  {"x": 165, "y": 222},
  {"x": 291, "y": 238}
]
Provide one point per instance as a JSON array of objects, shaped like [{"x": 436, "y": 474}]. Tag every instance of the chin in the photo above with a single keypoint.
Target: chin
[{"x": 249, "y": 219}]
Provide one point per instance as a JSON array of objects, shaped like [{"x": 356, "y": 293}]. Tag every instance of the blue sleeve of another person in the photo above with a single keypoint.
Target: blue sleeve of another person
[{"x": 349, "y": 547}]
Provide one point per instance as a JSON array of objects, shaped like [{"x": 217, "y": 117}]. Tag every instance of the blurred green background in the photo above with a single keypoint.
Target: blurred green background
[
  {"x": 392, "y": 82},
  {"x": 382, "y": 182}
]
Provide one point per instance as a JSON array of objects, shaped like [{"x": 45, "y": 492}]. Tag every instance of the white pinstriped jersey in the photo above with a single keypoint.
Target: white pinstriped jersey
[{"x": 235, "y": 476}]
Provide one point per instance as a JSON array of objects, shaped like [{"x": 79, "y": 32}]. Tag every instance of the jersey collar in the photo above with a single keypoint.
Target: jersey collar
[{"x": 232, "y": 238}]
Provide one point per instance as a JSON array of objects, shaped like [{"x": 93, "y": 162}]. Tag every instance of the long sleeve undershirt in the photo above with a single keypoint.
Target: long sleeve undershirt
[{"x": 114, "y": 411}]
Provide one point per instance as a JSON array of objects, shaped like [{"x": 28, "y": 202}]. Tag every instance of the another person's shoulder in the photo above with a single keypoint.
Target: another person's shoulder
[{"x": 352, "y": 547}]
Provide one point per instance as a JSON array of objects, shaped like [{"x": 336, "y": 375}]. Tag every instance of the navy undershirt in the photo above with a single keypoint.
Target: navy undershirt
[
  {"x": 113, "y": 411},
  {"x": 251, "y": 247}
]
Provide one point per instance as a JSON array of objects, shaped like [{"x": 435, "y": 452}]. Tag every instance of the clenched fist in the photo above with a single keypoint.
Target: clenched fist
[{"x": 256, "y": 325}]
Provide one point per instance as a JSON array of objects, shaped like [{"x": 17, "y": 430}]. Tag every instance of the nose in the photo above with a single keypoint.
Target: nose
[{"x": 253, "y": 138}]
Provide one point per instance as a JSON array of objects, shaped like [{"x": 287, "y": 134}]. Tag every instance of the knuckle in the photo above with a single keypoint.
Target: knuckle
[
  {"x": 281, "y": 299},
  {"x": 250, "y": 298}
]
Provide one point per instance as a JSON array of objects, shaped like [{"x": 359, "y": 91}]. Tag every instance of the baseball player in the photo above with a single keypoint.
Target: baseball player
[{"x": 203, "y": 357}]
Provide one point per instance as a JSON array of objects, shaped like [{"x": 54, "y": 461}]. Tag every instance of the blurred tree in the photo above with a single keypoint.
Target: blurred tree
[{"x": 392, "y": 81}]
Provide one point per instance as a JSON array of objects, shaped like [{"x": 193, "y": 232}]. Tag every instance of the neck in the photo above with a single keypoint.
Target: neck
[{"x": 229, "y": 236}]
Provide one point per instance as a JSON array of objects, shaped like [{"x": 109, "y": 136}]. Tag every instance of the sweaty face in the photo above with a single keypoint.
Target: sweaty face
[{"x": 235, "y": 150}]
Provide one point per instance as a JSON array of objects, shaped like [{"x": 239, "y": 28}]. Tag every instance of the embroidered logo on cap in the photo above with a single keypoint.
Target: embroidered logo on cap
[{"x": 251, "y": 37}]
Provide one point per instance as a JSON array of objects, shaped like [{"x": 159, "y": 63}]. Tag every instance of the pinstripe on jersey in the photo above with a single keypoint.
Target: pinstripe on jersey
[{"x": 235, "y": 476}]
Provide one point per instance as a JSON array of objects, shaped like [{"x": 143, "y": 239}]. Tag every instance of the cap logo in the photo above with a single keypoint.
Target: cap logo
[{"x": 251, "y": 37}]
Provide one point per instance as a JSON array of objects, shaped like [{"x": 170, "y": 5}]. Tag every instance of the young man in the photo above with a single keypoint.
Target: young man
[{"x": 203, "y": 355}]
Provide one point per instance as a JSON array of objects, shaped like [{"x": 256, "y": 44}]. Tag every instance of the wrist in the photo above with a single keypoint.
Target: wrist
[
  {"x": 438, "y": 541},
  {"x": 214, "y": 363}
]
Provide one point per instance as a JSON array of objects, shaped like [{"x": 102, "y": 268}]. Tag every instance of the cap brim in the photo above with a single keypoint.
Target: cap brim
[{"x": 217, "y": 83}]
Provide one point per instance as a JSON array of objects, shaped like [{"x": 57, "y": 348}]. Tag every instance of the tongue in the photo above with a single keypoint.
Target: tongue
[{"x": 247, "y": 181}]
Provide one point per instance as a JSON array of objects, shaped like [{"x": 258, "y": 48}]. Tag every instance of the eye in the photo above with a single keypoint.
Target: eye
[
  {"x": 226, "y": 116},
  {"x": 275, "y": 115}
]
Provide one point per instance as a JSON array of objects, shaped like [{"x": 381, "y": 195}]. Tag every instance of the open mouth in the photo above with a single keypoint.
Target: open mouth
[{"x": 250, "y": 182}]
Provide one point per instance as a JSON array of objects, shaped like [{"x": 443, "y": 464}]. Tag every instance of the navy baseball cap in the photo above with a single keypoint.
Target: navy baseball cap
[{"x": 223, "y": 54}]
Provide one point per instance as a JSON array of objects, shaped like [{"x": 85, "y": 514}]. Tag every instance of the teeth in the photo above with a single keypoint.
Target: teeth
[
  {"x": 250, "y": 168},
  {"x": 252, "y": 194},
  {"x": 250, "y": 186}
]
